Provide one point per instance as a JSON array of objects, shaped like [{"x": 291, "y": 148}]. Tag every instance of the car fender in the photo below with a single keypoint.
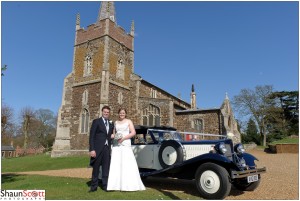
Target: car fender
[
  {"x": 211, "y": 157},
  {"x": 188, "y": 168},
  {"x": 249, "y": 159}
]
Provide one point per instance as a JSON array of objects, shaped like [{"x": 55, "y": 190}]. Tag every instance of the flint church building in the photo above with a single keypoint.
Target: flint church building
[{"x": 103, "y": 74}]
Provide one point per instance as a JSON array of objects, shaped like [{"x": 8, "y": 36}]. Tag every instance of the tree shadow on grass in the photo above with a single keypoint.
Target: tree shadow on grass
[
  {"x": 10, "y": 177},
  {"x": 167, "y": 185}
]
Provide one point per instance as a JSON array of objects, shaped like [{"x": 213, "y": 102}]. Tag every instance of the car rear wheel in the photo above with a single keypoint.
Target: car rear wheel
[
  {"x": 170, "y": 153},
  {"x": 243, "y": 185},
  {"x": 212, "y": 181}
]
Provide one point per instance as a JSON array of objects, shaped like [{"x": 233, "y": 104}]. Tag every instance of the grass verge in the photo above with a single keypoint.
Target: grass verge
[
  {"x": 62, "y": 188},
  {"x": 42, "y": 162},
  {"x": 287, "y": 141}
]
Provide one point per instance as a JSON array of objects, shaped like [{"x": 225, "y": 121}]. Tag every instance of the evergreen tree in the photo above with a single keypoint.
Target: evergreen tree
[
  {"x": 285, "y": 114},
  {"x": 251, "y": 134}
]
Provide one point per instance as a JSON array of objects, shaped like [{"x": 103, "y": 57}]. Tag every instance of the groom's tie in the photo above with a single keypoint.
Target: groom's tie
[
  {"x": 107, "y": 128},
  {"x": 106, "y": 125}
]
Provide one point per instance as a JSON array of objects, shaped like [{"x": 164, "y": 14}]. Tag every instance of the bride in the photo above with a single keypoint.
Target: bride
[{"x": 123, "y": 173}]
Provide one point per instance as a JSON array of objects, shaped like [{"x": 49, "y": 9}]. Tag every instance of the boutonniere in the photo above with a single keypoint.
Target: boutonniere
[{"x": 110, "y": 122}]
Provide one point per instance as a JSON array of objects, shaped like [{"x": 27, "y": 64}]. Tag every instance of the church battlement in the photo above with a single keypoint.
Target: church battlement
[{"x": 98, "y": 30}]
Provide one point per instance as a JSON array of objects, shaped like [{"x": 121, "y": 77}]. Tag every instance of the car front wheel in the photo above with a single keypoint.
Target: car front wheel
[{"x": 212, "y": 181}]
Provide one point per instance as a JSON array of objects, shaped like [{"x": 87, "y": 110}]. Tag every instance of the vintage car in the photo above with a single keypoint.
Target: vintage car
[{"x": 215, "y": 165}]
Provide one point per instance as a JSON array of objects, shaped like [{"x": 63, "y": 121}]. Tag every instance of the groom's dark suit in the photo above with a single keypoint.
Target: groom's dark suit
[{"x": 100, "y": 142}]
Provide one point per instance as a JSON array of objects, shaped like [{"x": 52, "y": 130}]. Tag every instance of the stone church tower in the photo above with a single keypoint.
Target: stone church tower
[
  {"x": 103, "y": 74},
  {"x": 102, "y": 67}
]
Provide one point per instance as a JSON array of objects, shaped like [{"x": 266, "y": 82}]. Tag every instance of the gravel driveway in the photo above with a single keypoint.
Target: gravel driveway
[{"x": 281, "y": 182}]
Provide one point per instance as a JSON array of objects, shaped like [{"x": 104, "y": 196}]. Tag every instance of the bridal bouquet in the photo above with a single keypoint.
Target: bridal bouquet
[{"x": 118, "y": 136}]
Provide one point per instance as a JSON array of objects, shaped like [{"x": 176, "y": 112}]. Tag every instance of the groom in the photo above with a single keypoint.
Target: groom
[{"x": 100, "y": 141}]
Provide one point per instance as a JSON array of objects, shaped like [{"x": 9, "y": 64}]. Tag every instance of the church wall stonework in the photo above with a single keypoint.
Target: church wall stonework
[
  {"x": 78, "y": 139},
  {"x": 113, "y": 101},
  {"x": 210, "y": 119},
  {"x": 96, "y": 48},
  {"x": 119, "y": 34},
  {"x": 162, "y": 104},
  {"x": 145, "y": 91},
  {"x": 116, "y": 52}
]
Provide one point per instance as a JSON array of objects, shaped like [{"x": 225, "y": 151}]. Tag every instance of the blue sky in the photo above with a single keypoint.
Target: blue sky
[{"x": 217, "y": 46}]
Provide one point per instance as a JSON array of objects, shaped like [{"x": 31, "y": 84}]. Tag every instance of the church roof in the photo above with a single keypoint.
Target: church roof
[
  {"x": 174, "y": 97},
  {"x": 196, "y": 110},
  {"x": 7, "y": 148}
]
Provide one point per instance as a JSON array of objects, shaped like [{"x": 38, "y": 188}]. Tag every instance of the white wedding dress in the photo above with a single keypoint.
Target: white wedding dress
[{"x": 123, "y": 173}]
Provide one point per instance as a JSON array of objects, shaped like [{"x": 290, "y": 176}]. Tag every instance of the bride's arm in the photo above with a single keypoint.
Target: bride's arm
[{"x": 132, "y": 131}]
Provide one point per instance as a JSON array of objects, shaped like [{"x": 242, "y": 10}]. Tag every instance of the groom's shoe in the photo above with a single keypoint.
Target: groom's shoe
[
  {"x": 104, "y": 188},
  {"x": 93, "y": 190}
]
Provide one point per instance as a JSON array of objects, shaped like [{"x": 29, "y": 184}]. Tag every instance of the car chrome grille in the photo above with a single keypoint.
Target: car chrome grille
[{"x": 229, "y": 152}]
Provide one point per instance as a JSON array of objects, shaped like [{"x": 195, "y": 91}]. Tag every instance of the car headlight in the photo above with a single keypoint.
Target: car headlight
[
  {"x": 239, "y": 149},
  {"x": 242, "y": 163},
  {"x": 221, "y": 148}
]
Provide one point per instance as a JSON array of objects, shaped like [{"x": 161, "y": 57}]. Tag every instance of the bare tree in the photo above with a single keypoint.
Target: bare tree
[
  {"x": 45, "y": 127},
  {"x": 7, "y": 123},
  {"x": 27, "y": 115},
  {"x": 256, "y": 104}
]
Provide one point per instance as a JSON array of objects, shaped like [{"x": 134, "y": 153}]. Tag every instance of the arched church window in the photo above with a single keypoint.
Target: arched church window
[
  {"x": 145, "y": 120},
  {"x": 151, "y": 116},
  {"x": 151, "y": 120},
  {"x": 198, "y": 125},
  {"x": 229, "y": 122},
  {"x": 85, "y": 118},
  {"x": 88, "y": 63},
  {"x": 120, "y": 69}
]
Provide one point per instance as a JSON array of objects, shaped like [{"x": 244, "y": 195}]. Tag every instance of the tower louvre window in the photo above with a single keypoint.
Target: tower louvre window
[
  {"x": 88, "y": 64},
  {"x": 120, "y": 69}
]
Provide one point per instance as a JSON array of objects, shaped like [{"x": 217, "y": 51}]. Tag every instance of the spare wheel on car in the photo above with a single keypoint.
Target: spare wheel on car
[{"x": 170, "y": 153}]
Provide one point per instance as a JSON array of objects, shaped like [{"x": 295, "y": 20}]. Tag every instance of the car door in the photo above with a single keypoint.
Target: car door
[{"x": 144, "y": 153}]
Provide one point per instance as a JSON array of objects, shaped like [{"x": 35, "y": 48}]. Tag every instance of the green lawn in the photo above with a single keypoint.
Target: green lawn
[
  {"x": 63, "y": 188},
  {"x": 287, "y": 141},
  {"x": 42, "y": 162}
]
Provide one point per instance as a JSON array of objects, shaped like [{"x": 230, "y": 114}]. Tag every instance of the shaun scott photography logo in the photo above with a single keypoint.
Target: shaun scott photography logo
[{"x": 22, "y": 195}]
